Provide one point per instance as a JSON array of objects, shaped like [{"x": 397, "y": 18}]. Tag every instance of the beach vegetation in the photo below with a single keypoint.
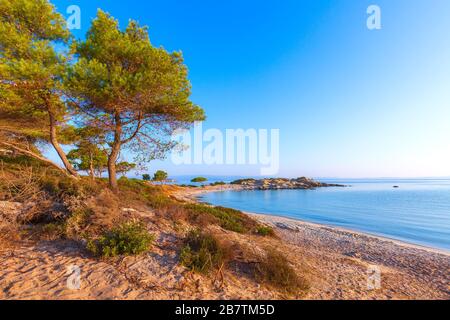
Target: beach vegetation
[
  {"x": 124, "y": 167},
  {"x": 199, "y": 180},
  {"x": 33, "y": 110},
  {"x": 129, "y": 238},
  {"x": 89, "y": 153},
  {"x": 275, "y": 270},
  {"x": 111, "y": 91},
  {"x": 203, "y": 252},
  {"x": 160, "y": 176},
  {"x": 265, "y": 231},
  {"x": 229, "y": 219},
  {"x": 136, "y": 93}
]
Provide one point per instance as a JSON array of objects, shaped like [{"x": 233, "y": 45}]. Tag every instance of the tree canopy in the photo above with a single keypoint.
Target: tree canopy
[
  {"x": 199, "y": 180},
  {"x": 89, "y": 153},
  {"x": 160, "y": 176},
  {"x": 32, "y": 108},
  {"x": 110, "y": 93},
  {"x": 136, "y": 93}
]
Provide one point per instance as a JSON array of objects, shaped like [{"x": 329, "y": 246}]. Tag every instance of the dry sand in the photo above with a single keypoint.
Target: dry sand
[{"x": 335, "y": 261}]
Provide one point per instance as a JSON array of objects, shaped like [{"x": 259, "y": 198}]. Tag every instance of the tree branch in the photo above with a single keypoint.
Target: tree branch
[
  {"x": 34, "y": 155},
  {"x": 138, "y": 128}
]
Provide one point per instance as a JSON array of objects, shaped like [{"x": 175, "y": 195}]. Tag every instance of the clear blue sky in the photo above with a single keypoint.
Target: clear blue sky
[{"x": 349, "y": 102}]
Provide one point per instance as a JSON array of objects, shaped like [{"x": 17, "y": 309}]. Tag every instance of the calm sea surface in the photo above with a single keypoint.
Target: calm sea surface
[{"x": 417, "y": 212}]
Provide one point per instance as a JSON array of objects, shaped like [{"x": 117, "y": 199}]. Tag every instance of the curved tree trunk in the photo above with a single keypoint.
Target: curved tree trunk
[
  {"x": 33, "y": 155},
  {"x": 57, "y": 146}
]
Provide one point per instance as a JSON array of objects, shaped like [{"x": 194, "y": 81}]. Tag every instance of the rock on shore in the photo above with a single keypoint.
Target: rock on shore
[{"x": 282, "y": 184}]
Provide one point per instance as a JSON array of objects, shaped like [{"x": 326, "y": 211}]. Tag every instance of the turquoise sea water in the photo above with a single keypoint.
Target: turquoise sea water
[{"x": 417, "y": 212}]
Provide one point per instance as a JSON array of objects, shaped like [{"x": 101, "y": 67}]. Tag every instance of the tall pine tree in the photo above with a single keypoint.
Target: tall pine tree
[{"x": 136, "y": 93}]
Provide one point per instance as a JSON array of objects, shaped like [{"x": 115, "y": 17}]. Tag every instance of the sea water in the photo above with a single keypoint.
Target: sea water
[{"x": 418, "y": 211}]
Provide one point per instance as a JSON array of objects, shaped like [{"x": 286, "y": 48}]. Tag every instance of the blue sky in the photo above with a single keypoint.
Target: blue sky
[{"x": 349, "y": 102}]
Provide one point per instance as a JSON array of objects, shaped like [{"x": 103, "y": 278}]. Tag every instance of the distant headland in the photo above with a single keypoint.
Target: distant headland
[{"x": 302, "y": 183}]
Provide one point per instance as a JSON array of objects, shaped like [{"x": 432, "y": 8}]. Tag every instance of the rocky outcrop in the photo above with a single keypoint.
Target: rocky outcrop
[{"x": 282, "y": 184}]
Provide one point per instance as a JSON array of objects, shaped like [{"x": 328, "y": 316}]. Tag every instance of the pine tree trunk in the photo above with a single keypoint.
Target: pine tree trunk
[
  {"x": 112, "y": 159},
  {"x": 91, "y": 168},
  {"x": 57, "y": 146}
]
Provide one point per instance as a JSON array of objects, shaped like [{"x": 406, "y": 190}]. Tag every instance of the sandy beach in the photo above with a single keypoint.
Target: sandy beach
[
  {"x": 336, "y": 262},
  {"x": 408, "y": 270}
]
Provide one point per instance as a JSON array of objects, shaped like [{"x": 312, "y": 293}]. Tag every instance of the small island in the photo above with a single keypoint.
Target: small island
[{"x": 302, "y": 183}]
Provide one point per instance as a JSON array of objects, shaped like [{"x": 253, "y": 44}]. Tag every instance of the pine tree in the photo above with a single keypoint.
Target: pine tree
[
  {"x": 90, "y": 152},
  {"x": 136, "y": 93},
  {"x": 32, "y": 108}
]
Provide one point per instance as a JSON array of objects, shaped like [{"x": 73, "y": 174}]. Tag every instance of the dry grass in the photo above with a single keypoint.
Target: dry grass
[
  {"x": 128, "y": 238},
  {"x": 92, "y": 217},
  {"x": 9, "y": 227},
  {"x": 19, "y": 186},
  {"x": 275, "y": 270},
  {"x": 204, "y": 251},
  {"x": 105, "y": 210},
  {"x": 60, "y": 207}
]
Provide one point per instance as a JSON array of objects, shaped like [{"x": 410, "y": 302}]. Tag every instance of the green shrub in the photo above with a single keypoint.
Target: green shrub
[
  {"x": 275, "y": 270},
  {"x": 265, "y": 231},
  {"x": 60, "y": 187},
  {"x": 140, "y": 191},
  {"x": 199, "y": 180},
  {"x": 229, "y": 219},
  {"x": 129, "y": 238},
  {"x": 53, "y": 231},
  {"x": 203, "y": 252},
  {"x": 77, "y": 223}
]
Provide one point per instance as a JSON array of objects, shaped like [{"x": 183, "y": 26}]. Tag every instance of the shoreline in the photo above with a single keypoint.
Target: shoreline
[
  {"x": 278, "y": 218},
  {"x": 341, "y": 259},
  {"x": 335, "y": 262},
  {"x": 194, "y": 194}
]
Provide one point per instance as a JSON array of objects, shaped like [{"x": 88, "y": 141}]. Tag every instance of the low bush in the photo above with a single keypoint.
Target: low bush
[
  {"x": 227, "y": 218},
  {"x": 59, "y": 187},
  {"x": 104, "y": 209},
  {"x": 203, "y": 252},
  {"x": 265, "y": 231},
  {"x": 52, "y": 231},
  {"x": 275, "y": 270},
  {"x": 77, "y": 225},
  {"x": 138, "y": 191},
  {"x": 129, "y": 238},
  {"x": 9, "y": 228}
]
